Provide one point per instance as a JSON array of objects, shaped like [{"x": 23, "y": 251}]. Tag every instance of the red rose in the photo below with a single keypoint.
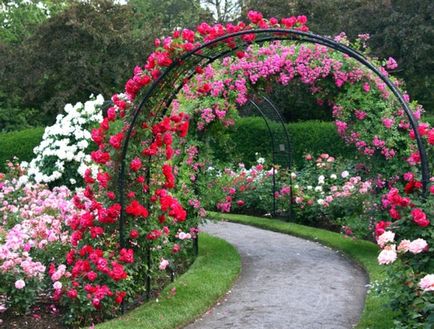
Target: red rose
[
  {"x": 135, "y": 164},
  {"x": 153, "y": 235},
  {"x": 419, "y": 217},
  {"x": 96, "y": 232},
  {"x": 100, "y": 156},
  {"x": 431, "y": 136},
  {"x": 120, "y": 296},
  {"x": 96, "y": 302},
  {"x": 97, "y": 136},
  {"x": 176, "y": 248},
  {"x": 254, "y": 16},
  {"x": 92, "y": 276},
  {"x": 394, "y": 213},
  {"x": 72, "y": 293},
  {"x": 103, "y": 179},
  {"x": 126, "y": 255},
  {"x": 134, "y": 234},
  {"x": 116, "y": 140},
  {"x": 117, "y": 273},
  {"x": 380, "y": 228},
  {"x": 136, "y": 209}
]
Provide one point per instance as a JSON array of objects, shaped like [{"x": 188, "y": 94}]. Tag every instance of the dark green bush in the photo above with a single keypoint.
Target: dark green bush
[
  {"x": 250, "y": 135},
  {"x": 20, "y": 144},
  {"x": 429, "y": 119},
  {"x": 13, "y": 119}
]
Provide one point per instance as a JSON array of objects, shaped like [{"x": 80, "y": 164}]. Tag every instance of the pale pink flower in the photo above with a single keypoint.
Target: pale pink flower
[
  {"x": 387, "y": 255},
  {"x": 385, "y": 238},
  {"x": 403, "y": 246},
  {"x": 427, "y": 283},
  {"x": 57, "y": 285},
  {"x": 20, "y": 284},
  {"x": 417, "y": 246},
  {"x": 163, "y": 264}
]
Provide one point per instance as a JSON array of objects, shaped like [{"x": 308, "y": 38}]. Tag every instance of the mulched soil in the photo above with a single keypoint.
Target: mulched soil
[{"x": 44, "y": 319}]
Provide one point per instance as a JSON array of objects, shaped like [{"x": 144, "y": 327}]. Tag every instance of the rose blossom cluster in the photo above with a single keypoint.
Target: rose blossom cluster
[
  {"x": 33, "y": 223},
  {"x": 226, "y": 84}
]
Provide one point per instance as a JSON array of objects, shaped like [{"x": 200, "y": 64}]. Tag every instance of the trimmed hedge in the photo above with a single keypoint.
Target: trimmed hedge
[
  {"x": 20, "y": 144},
  {"x": 250, "y": 135},
  {"x": 239, "y": 143}
]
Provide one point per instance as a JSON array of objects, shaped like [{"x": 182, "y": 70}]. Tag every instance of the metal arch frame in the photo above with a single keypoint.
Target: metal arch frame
[
  {"x": 273, "y": 145},
  {"x": 270, "y": 35},
  {"x": 288, "y": 140}
]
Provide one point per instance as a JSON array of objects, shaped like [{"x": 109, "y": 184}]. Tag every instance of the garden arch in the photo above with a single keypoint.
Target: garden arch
[
  {"x": 158, "y": 97},
  {"x": 279, "y": 140}
]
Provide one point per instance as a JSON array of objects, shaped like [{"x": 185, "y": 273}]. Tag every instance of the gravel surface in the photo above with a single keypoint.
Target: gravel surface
[{"x": 286, "y": 282}]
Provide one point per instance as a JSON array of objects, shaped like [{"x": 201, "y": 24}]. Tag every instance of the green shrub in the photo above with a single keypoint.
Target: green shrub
[
  {"x": 250, "y": 135},
  {"x": 429, "y": 119},
  {"x": 13, "y": 119},
  {"x": 19, "y": 144}
]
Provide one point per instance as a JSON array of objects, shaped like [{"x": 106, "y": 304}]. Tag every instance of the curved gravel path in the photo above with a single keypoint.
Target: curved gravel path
[{"x": 286, "y": 282}]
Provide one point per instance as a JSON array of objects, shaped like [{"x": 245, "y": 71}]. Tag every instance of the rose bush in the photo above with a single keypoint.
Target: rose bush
[
  {"x": 34, "y": 238},
  {"x": 63, "y": 154}
]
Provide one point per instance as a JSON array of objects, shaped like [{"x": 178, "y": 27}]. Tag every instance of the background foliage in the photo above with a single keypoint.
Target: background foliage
[{"x": 58, "y": 52}]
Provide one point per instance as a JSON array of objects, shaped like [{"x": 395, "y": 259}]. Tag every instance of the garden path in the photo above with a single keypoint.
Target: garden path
[{"x": 286, "y": 282}]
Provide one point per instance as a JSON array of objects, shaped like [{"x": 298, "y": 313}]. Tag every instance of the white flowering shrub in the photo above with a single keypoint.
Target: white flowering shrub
[{"x": 62, "y": 156}]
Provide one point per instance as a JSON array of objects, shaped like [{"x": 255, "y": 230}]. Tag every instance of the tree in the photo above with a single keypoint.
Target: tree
[
  {"x": 85, "y": 49},
  {"x": 19, "y": 18},
  {"x": 223, "y": 10}
]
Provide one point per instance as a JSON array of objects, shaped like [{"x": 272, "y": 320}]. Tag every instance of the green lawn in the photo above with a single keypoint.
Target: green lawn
[
  {"x": 207, "y": 280},
  {"x": 376, "y": 314}
]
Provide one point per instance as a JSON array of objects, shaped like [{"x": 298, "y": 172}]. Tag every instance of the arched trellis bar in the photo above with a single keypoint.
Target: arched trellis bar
[
  {"x": 279, "y": 137},
  {"x": 157, "y": 98}
]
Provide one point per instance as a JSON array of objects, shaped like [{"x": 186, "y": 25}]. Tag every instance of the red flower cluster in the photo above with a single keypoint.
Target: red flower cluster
[
  {"x": 170, "y": 205},
  {"x": 398, "y": 204},
  {"x": 136, "y": 209}
]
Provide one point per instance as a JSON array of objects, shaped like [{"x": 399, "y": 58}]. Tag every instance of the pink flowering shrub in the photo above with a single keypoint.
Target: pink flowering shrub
[
  {"x": 333, "y": 193},
  {"x": 243, "y": 190},
  {"x": 33, "y": 237}
]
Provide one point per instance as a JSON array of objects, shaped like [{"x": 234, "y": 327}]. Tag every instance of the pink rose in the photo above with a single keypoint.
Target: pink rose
[
  {"x": 417, "y": 246},
  {"x": 404, "y": 246},
  {"x": 385, "y": 238},
  {"x": 391, "y": 64},
  {"x": 20, "y": 284},
  {"x": 57, "y": 285},
  {"x": 163, "y": 264},
  {"x": 427, "y": 283},
  {"x": 387, "y": 122},
  {"x": 387, "y": 255}
]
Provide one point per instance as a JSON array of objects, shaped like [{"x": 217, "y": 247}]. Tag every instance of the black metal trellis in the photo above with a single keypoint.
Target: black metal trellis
[
  {"x": 158, "y": 98},
  {"x": 279, "y": 137}
]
